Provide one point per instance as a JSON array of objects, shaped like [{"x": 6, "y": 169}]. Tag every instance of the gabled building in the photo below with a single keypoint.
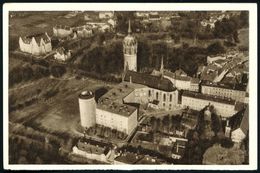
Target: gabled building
[
  {"x": 62, "y": 54},
  {"x": 62, "y": 31},
  {"x": 38, "y": 44}
]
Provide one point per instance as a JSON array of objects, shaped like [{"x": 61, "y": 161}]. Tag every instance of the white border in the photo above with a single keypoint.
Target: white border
[{"x": 252, "y": 7}]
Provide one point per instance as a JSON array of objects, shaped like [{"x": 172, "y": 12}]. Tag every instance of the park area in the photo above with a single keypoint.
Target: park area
[{"x": 50, "y": 103}]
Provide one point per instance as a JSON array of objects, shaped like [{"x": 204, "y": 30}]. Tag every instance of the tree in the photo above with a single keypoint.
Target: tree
[
  {"x": 215, "y": 48},
  {"x": 58, "y": 71}
]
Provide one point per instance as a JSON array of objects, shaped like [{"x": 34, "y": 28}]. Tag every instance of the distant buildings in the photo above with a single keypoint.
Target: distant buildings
[
  {"x": 106, "y": 14},
  {"x": 62, "y": 31},
  {"x": 38, "y": 44}
]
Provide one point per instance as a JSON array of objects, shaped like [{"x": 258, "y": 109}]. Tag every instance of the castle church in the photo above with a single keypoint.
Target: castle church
[{"x": 130, "y": 51}]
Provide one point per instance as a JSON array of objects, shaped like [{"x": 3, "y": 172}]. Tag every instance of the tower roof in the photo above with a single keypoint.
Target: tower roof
[
  {"x": 129, "y": 27},
  {"x": 129, "y": 40}
]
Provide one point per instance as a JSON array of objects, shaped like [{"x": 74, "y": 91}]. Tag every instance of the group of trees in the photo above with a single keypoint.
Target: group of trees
[
  {"x": 27, "y": 145},
  {"x": 105, "y": 132},
  {"x": 204, "y": 136},
  {"x": 166, "y": 124},
  {"x": 32, "y": 72},
  {"x": 104, "y": 59}
]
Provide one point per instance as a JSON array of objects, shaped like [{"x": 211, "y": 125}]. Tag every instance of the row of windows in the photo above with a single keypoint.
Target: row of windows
[{"x": 157, "y": 96}]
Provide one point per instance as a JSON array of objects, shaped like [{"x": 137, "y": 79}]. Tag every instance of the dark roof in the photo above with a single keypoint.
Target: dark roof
[
  {"x": 239, "y": 87},
  {"x": 208, "y": 97},
  {"x": 240, "y": 120},
  {"x": 86, "y": 95},
  {"x": 129, "y": 158},
  {"x": 95, "y": 143},
  {"x": 37, "y": 37},
  {"x": 150, "y": 81}
]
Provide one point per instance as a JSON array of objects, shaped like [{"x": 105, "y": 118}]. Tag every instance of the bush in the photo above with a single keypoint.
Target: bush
[{"x": 58, "y": 71}]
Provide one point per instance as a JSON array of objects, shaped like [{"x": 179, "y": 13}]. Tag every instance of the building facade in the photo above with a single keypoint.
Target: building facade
[
  {"x": 113, "y": 118},
  {"x": 62, "y": 54},
  {"x": 225, "y": 91},
  {"x": 61, "y": 31},
  {"x": 39, "y": 44},
  {"x": 224, "y": 108},
  {"x": 130, "y": 51},
  {"x": 87, "y": 109}
]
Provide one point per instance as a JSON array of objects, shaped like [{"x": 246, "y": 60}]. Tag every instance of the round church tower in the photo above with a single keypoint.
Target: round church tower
[{"x": 130, "y": 51}]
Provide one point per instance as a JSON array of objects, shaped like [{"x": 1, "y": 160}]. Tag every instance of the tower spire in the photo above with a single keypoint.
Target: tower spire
[
  {"x": 129, "y": 27},
  {"x": 162, "y": 66}
]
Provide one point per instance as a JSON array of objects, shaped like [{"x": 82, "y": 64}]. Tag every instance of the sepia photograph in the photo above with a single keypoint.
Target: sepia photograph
[{"x": 158, "y": 86}]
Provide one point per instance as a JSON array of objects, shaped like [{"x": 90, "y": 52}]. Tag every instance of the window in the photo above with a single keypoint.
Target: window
[
  {"x": 170, "y": 97},
  {"x": 163, "y": 104},
  {"x": 149, "y": 93},
  {"x": 164, "y": 97},
  {"x": 157, "y": 96}
]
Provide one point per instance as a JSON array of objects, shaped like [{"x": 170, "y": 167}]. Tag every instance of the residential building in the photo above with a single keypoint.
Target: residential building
[
  {"x": 38, "y": 44},
  {"x": 225, "y": 108},
  {"x": 91, "y": 149},
  {"x": 234, "y": 92},
  {"x": 62, "y": 54},
  {"x": 62, "y": 31}
]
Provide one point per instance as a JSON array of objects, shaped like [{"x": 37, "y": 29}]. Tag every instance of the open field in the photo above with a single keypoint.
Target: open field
[{"x": 59, "y": 113}]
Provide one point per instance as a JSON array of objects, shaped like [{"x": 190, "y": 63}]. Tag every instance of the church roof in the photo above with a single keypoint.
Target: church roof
[
  {"x": 240, "y": 120},
  {"x": 150, "y": 81}
]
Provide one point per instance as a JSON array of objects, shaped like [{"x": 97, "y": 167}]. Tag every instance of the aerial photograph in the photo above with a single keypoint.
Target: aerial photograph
[{"x": 128, "y": 87}]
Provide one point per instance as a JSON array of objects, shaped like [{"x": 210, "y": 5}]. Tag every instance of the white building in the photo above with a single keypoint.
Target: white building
[
  {"x": 182, "y": 81},
  {"x": 87, "y": 109},
  {"x": 116, "y": 116},
  {"x": 130, "y": 51},
  {"x": 38, "y": 44},
  {"x": 197, "y": 101},
  {"x": 235, "y": 92},
  {"x": 62, "y": 54},
  {"x": 62, "y": 31}
]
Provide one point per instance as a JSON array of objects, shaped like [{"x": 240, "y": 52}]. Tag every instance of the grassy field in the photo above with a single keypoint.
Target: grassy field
[{"x": 59, "y": 113}]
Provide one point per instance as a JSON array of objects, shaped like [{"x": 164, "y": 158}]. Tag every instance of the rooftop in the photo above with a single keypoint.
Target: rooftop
[
  {"x": 239, "y": 87},
  {"x": 112, "y": 101},
  {"x": 150, "y": 81},
  {"x": 240, "y": 120},
  {"x": 208, "y": 97},
  {"x": 86, "y": 95},
  {"x": 95, "y": 143},
  {"x": 129, "y": 158}
]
